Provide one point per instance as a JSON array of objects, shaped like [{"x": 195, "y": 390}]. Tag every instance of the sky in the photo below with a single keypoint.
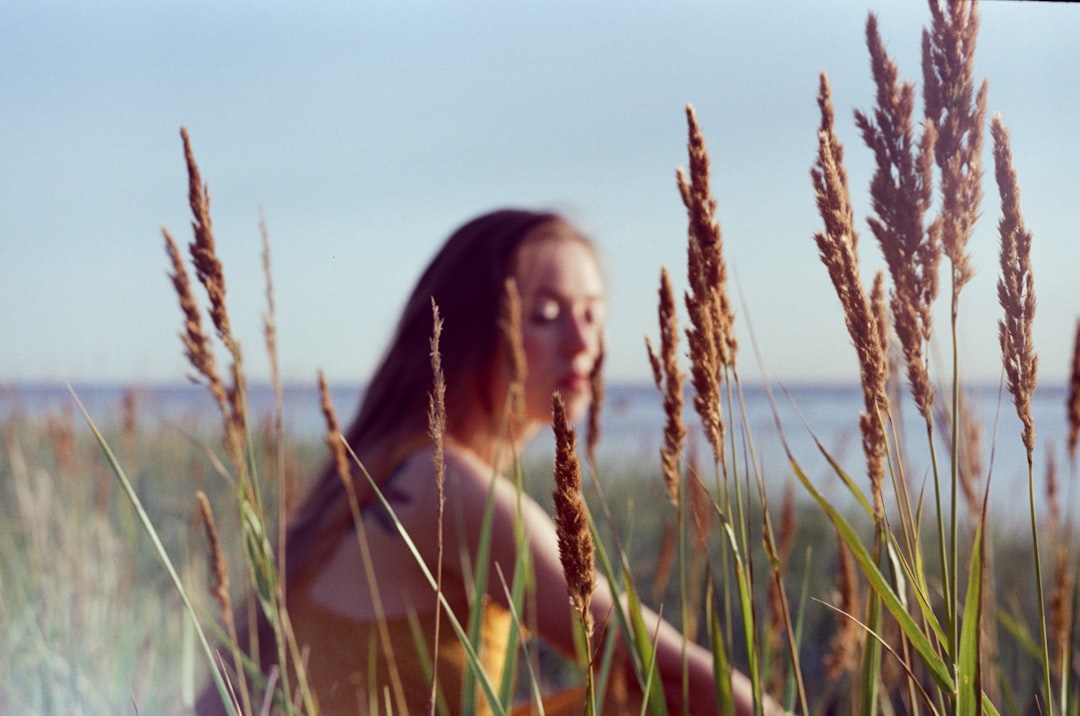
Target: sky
[{"x": 365, "y": 132}]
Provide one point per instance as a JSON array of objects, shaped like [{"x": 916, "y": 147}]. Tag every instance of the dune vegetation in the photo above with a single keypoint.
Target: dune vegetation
[{"x": 129, "y": 552}]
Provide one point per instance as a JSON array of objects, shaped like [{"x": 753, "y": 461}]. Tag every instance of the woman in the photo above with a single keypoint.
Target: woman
[{"x": 359, "y": 633}]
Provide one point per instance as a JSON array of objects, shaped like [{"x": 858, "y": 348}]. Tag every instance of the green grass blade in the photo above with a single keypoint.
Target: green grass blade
[
  {"x": 969, "y": 678},
  {"x": 922, "y": 644},
  {"x": 619, "y": 611},
  {"x": 515, "y": 617},
  {"x": 871, "y": 658},
  {"x": 721, "y": 664},
  {"x": 746, "y": 604},
  {"x": 516, "y": 599},
  {"x": 420, "y": 644},
  {"x": 480, "y": 582},
  {"x": 643, "y": 642}
]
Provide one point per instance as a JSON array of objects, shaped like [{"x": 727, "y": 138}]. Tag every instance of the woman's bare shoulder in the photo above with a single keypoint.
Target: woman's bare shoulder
[
  {"x": 460, "y": 468},
  {"x": 468, "y": 482}
]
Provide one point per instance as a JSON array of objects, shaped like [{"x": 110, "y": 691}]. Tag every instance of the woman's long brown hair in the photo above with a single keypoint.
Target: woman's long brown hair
[{"x": 465, "y": 279}]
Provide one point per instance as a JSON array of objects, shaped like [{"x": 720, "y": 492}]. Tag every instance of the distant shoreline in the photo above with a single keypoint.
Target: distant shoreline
[{"x": 803, "y": 418}]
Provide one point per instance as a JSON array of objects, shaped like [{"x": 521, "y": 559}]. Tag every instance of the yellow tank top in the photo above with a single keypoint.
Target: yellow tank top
[{"x": 351, "y": 667}]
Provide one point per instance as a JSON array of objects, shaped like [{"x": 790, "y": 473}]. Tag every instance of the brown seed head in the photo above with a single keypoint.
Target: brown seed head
[
  {"x": 196, "y": 343},
  {"x": 670, "y": 382},
  {"x": 837, "y": 247},
  {"x": 208, "y": 268},
  {"x": 333, "y": 434},
  {"x": 970, "y": 433},
  {"x": 702, "y": 510},
  {"x": 270, "y": 317},
  {"x": 958, "y": 113},
  {"x": 576, "y": 548},
  {"x": 711, "y": 337},
  {"x": 1053, "y": 498},
  {"x": 510, "y": 328},
  {"x": 596, "y": 404},
  {"x": 901, "y": 192},
  {"x": 1072, "y": 407},
  {"x": 437, "y": 400},
  {"x": 1016, "y": 288},
  {"x": 220, "y": 569}
]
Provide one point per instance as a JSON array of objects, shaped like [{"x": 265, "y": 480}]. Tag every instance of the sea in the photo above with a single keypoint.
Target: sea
[{"x": 770, "y": 423}]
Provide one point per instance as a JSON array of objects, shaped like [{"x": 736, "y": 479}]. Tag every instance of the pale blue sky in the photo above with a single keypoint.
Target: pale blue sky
[{"x": 368, "y": 131}]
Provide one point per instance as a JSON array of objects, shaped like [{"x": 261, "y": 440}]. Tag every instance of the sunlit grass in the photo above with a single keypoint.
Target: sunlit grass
[{"x": 884, "y": 585}]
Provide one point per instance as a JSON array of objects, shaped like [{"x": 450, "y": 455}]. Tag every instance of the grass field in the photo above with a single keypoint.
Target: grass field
[
  {"x": 904, "y": 596},
  {"x": 91, "y": 623}
]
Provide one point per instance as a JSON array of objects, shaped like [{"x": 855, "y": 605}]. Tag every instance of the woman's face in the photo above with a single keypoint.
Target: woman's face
[{"x": 562, "y": 312}]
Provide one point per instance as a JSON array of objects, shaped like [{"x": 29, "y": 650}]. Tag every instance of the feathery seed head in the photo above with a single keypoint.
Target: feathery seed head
[{"x": 576, "y": 548}]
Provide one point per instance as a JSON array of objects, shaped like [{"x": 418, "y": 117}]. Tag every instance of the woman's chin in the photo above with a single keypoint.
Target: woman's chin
[{"x": 577, "y": 405}]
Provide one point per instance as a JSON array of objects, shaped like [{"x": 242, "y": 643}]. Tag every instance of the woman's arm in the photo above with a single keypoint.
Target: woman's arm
[{"x": 552, "y": 615}]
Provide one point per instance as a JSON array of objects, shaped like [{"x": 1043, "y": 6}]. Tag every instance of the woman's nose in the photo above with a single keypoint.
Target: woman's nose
[{"x": 576, "y": 335}]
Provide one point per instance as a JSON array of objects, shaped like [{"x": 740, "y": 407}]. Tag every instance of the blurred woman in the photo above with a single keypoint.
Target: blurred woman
[{"x": 359, "y": 634}]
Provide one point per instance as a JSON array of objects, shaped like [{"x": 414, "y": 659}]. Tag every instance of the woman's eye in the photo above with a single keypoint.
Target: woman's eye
[{"x": 546, "y": 311}]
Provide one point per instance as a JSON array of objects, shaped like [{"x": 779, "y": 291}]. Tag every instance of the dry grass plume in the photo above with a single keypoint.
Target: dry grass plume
[
  {"x": 596, "y": 405},
  {"x": 510, "y": 329},
  {"x": 437, "y": 431},
  {"x": 900, "y": 192},
  {"x": 576, "y": 549},
  {"x": 197, "y": 347},
  {"x": 669, "y": 381},
  {"x": 209, "y": 272},
  {"x": 837, "y": 246},
  {"x": 220, "y": 590},
  {"x": 333, "y": 435},
  {"x": 958, "y": 112},
  {"x": 1072, "y": 407},
  {"x": 1016, "y": 288},
  {"x": 710, "y": 336}
]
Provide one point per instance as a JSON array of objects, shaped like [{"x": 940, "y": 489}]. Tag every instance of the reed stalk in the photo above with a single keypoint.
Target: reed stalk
[
  {"x": 900, "y": 193},
  {"x": 437, "y": 431},
  {"x": 597, "y": 390},
  {"x": 576, "y": 550},
  {"x": 1016, "y": 293},
  {"x": 270, "y": 336},
  {"x": 510, "y": 330},
  {"x": 1072, "y": 402},
  {"x": 957, "y": 111},
  {"x": 220, "y": 591},
  {"x": 837, "y": 246},
  {"x": 669, "y": 381},
  {"x": 260, "y": 554},
  {"x": 710, "y": 337}
]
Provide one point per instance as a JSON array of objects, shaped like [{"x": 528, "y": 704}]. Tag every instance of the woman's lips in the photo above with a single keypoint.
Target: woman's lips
[{"x": 574, "y": 383}]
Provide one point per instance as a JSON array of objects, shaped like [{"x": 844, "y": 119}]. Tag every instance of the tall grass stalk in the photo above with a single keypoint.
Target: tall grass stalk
[
  {"x": 1016, "y": 293},
  {"x": 575, "y": 539},
  {"x": 712, "y": 350},
  {"x": 260, "y": 553}
]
